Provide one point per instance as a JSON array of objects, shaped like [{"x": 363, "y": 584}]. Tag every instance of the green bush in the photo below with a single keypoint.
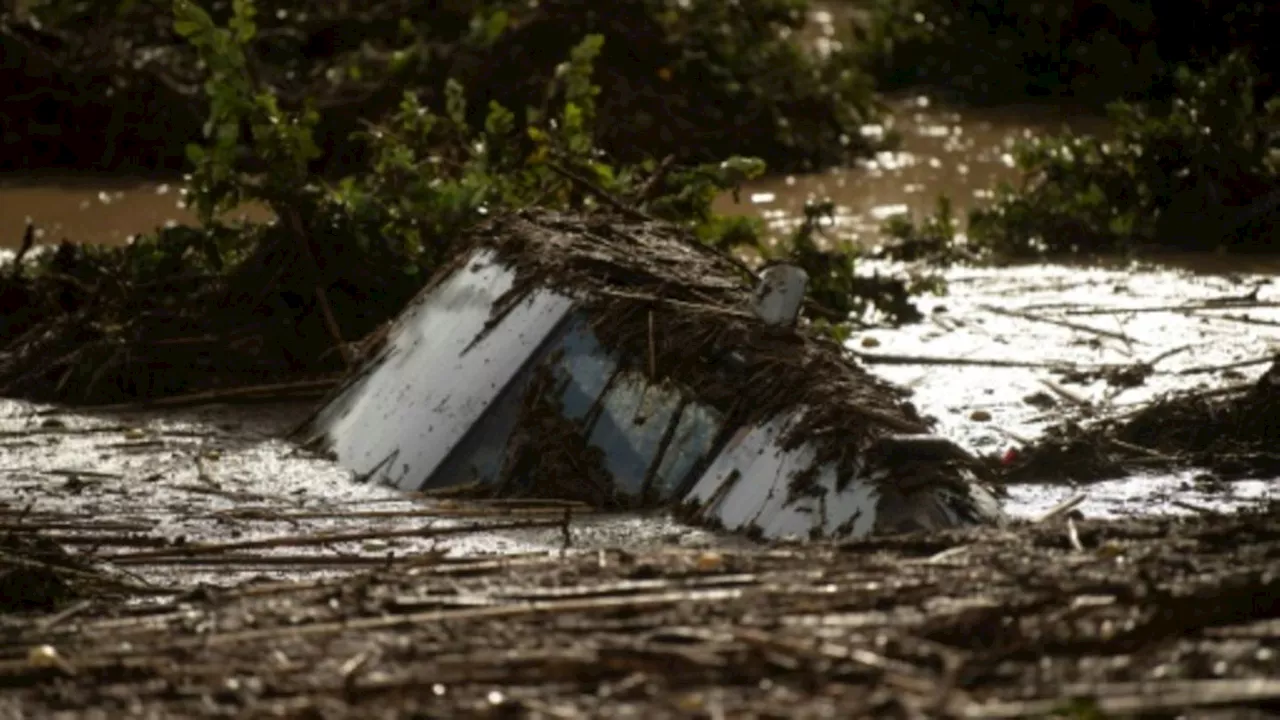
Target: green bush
[
  {"x": 698, "y": 79},
  {"x": 193, "y": 308},
  {"x": 1201, "y": 174}
]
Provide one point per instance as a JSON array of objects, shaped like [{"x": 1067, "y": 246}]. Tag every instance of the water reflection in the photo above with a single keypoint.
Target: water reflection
[{"x": 942, "y": 151}]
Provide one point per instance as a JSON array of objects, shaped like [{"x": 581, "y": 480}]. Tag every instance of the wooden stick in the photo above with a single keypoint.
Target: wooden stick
[
  {"x": 1271, "y": 358},
  {"x": 1188, "y": 307},
  {"x": 1062, "y": 508},
  {"x": 1061, "y": 323},
  {"x": 106, "y": 525},
  {"x": 85, "y": 575},
  {"x": 1245, "y": 319},
  {"x": 630, "y": 603},
  {"x": 1066, "y": 394},
  {"x": 1129, "y": 699},
  {"x": 326, "y": 539},
  {"x": 28, "y": 240},
  {"x": 653, "y": 356},
  {"x": 250, "y": 560},
  {"x": 886, "y": 359},
  {"x": 1148, "y": 452},
  {"x": 1073, "y": 536},
  {"x": 599, "y": 193},
  {"x": 250, "y": 392},
  {"x": 650, "y": 188},
  {"x": 677, "y": 303},
  {"x": 27, "y": 432},
  {"x": 1168, "y": 354},
  {"x": 269, "y": 515}
]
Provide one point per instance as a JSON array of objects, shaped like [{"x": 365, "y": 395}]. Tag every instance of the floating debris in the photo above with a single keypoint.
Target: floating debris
[
  {"x": 624, "y": 365},
  {"x": 1228, "y": 431}
]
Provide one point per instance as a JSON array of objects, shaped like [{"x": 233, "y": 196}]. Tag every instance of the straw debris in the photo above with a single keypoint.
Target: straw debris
[
  {"x": 1230, "y": 433},
  {"x": 1127, "y": 618},
  {"x": 679, "y": 313}
]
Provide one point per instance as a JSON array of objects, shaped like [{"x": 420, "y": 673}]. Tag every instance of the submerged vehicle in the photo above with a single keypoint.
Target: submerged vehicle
[{"x": 623, "y": 364}]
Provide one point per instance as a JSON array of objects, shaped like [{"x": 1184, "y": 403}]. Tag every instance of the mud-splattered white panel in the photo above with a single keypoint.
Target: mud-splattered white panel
[
  {"x": 749, "y": 485},
  {"x": 400, "y": 421}
]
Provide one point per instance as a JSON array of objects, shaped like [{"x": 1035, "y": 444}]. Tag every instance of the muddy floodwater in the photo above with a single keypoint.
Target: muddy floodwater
[
  {"x": 984, "y": 362},
  {"x": 93, "y": 209},
  {"x": 221, "y": 476},
  {"x": 941, "y": 151},
  {"x": 1200, "y": 324}
]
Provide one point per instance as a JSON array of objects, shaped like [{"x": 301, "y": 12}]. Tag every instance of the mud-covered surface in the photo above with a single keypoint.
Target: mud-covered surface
[{"x": 1126, "y": 618}]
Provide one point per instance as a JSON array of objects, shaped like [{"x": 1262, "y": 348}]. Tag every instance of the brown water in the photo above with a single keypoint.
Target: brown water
[
  {"x": 943, "y": 151},
  {"x": 95, "y": 209},
  {"x": 89, "y": 209}
]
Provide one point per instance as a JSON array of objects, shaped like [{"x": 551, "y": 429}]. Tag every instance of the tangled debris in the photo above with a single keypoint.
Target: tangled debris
[
  {"x": 1141, "y": 618},
  {"x": 549, "y": 456},
  {"x": 1230, "y": 432},
  {"x": 34, "y": 574},
  {"x": 680, "y": 313},
  {"x": 663, "y": 388}
]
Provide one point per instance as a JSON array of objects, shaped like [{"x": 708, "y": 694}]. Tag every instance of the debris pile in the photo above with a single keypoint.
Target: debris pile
[
  {"x": 1150, "y": 618},
  {"x": 676, "y": 312},
  {"x": 1230, "y": 432},
  {"x": 636, "y": 345}
]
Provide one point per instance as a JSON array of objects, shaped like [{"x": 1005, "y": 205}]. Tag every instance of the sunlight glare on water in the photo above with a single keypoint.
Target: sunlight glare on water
[
  {"x": 965, "y": 155},
  {"x": 962, "y": 155}
]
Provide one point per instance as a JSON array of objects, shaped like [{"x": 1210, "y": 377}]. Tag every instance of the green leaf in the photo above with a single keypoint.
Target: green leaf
[
  {"x": 191, "y": 21},
  {"x": 455, "y": 102}
]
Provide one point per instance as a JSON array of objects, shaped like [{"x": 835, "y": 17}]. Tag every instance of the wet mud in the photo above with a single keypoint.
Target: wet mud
[
  {"x": 961, "y": 153},
  {"x": 1124, "y": 317},
  {"x": 234, "y": 574},
  {"x": 1009, "y": 353}
]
